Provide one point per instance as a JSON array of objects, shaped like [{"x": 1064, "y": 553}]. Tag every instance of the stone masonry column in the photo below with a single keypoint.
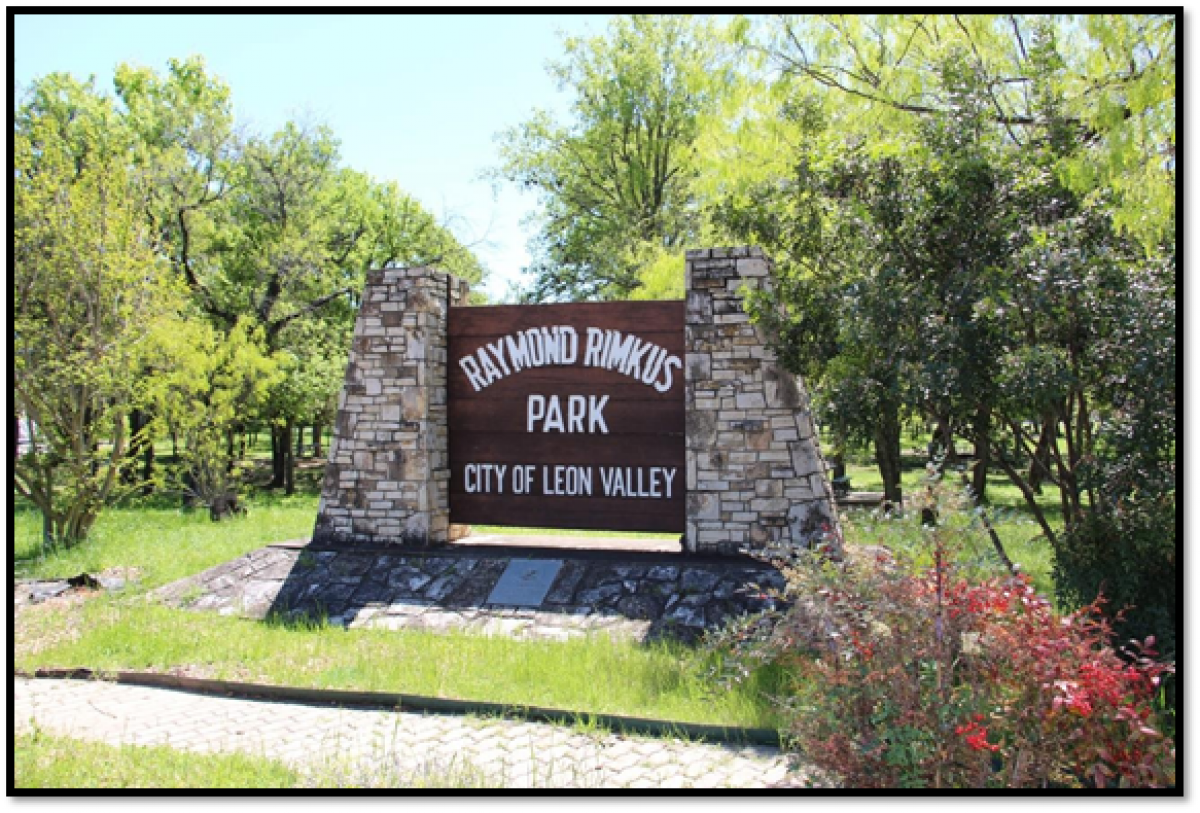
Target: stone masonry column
[
  {"x": 388, "y": 476},
  {"x": 755, "y": 475}
]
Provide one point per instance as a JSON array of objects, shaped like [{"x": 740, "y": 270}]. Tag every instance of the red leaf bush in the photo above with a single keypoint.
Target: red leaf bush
[{"x": 929, "y": 678}]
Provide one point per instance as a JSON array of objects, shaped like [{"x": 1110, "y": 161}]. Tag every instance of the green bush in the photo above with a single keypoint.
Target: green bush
[
  {"x": 933, "y": 675},
  {"x": 1128, "y": 557}
]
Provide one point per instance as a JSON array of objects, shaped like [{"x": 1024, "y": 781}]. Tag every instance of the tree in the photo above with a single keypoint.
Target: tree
[
  {"x": 186, "y": 146},
  {"x": 839, "y": 310},
  {"x": 616, "y": 181},
  {"x": 211, "y": 384},
  {"x": 89, "y": 292},
  {"x": 302, "y": 232},
  {"x": 1016, "y": 291},
  {"x": 1114, "y": 74}
]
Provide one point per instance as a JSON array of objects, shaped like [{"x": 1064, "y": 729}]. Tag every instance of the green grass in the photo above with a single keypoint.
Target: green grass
[
  {"x": 663, "y": 680},
  {"x": 51, "y": 762},
  {"x": 42, "y": 760},
  {"x": 167, "y": 543},
  {"x": 594, "y": 674},
  {"x": 1019, "y": 533}
]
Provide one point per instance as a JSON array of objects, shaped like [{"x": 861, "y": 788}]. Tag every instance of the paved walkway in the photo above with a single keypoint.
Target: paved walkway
[{"x": 362, "y": 748}]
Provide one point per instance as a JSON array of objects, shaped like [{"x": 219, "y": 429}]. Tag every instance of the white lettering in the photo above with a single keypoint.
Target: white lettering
[
  {"x": 483, "y": 478},
  {"x": 518, "y": 351},
  {"x": 609, "y": 349},
  {"x": 535, "y": 410},
  {"x": 498, "y": 351},
  {"x": 537, "y": 349},
  {"x": 596, "y": 414},
  {"x": 554, "y": 418},
  {"x": 653, "y": 365},
  {"x": 576, "y": 410},
  {"x": 549, "y": 411},
  {"x": 489, "y": 368},
  {"x": 665, "y": 384},
  {"x": 570, "y": 343},
  {"x": 595, "y": 347},
  {"x": 618, "y": 350},
  {"x": 567, "y": 481},
  {"x": 472, "y": 370},
  {"x": 633, "y": 365},
  {"x": 669, "y": 474}
]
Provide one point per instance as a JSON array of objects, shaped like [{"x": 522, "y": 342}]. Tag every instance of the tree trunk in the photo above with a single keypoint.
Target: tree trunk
[
  {"x": 148, "y": 469},
  {"x": 129, "y": 471},
  {"x": 299, "y": 440},
  {"x": 279, "y": 453},
  {"x": 317, "y": 430},
  {"x": 981, "y": 428},
  {"x": 289, "y": 461},
  {"x": 887, "y": 454},
  {"x": 942, "y": 442},
  {"x": 1039, "y": 465}
]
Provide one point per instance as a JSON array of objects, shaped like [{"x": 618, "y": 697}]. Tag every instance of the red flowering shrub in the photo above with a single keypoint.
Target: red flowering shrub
[{"x": 929, "y": 679}]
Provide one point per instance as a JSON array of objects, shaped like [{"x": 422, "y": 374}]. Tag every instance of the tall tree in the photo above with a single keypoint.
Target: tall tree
[
  {"x": 616, "y": 179},
  {"x": 89, "y": 291},
  {"x": 1017, "y": 288},
  {"x": 186, "y": 146},
  {"x": 1114, "y": 75}
]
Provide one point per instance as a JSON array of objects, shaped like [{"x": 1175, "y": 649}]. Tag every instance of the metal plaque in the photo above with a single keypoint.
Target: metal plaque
[{"x": 525, "y": 582}]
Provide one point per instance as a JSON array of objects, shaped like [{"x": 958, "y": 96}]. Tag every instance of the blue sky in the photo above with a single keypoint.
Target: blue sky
[{"x": 412, "y": 98}]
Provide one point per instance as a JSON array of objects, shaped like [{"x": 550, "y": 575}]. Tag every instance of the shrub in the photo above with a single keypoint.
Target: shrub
[
  {"x": 1128, "y": 555},
  {"x": 939, "y": 677}
]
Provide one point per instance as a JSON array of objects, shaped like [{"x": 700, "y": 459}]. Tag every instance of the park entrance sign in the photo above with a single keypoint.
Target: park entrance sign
[
  {"x": 568, "y": 416},
  {"x": 654, "y": 416}
]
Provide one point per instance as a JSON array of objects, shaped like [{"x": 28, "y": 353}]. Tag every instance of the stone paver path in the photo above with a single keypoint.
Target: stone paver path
[{"x": 384, "y": 748}]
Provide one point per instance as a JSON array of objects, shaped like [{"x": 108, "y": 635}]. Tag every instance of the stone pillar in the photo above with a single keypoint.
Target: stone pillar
[
  {"x": 388, "y": 477},
  {"x": 755, "y": 475}
]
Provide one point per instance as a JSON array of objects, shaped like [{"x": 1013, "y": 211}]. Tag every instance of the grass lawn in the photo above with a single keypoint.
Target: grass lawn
[
  {"x": 45, "y": 761},
  {"x": 162, "y": 543},
  {"x": 41, "y": 760},
  {"x": 126, "y": 631},
  {"x": 1019, "y": 533}
]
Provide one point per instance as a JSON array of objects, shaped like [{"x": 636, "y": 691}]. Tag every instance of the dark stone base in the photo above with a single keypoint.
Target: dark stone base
[{"x": 640, "y": 597}]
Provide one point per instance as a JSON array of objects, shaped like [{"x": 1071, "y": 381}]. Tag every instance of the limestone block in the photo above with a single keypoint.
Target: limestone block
[
  {"x": 703, "y": 506},
  {"x": 699, "y": 306},
  {"x": 751, "y": 400}
]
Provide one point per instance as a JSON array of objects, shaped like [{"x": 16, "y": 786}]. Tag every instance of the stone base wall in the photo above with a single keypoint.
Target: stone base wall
[
  {"x": 387, "y": 480},
  {"x": 755, "y": 474}
]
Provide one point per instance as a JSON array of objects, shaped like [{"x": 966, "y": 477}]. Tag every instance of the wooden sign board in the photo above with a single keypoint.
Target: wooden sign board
[{"x": 568, "y": 416}]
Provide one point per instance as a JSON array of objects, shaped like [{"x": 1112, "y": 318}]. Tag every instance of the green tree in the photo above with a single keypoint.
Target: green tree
[
  {"x": 89, "y": 293},
  {"x": 1014, "y": 298},
  {"x": 839, "y": 309},
  {"x": 1114, "y": 75},
  {"x": 212, "y": 383},
  {"x": 303, "y": 231},
  {"x": 186, "y": 146},
  {"x": 616, "y": 181}
]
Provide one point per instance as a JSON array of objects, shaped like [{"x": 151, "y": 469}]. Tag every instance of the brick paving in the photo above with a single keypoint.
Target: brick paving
[{"x": 392, "y": 749}]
